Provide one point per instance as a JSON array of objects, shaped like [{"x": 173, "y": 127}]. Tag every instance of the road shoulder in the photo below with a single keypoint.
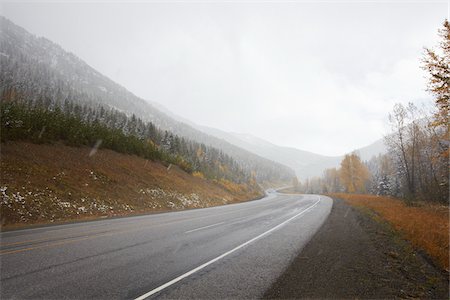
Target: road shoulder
[{"x": 354, "y": 256}]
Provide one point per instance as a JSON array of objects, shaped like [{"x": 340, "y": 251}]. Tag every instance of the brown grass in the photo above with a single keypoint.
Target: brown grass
[
  {"x": 426, "y": 226},
  {"x": 54, "y": 183}
]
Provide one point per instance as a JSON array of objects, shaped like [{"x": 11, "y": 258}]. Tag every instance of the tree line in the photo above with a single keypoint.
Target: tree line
[
  {"x": 46, "y": 120},
  {"x": 416, "y": 165},
  {"x": 37, "y": 70}
]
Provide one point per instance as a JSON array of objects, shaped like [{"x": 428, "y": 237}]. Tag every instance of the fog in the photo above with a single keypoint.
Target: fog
[{"x": 316, "y": 76}]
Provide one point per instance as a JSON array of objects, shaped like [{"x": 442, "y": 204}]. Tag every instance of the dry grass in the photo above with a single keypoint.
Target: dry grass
[
  {"x": 425, "y": 225},
  {"x": 54, "y": 183}
]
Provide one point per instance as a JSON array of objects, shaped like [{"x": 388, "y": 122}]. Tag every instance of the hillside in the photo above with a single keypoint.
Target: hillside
[
  {"x": 36, "y": 69},
  {"x": 53, "y": 182},
  {"x": 305, "y": 164}
]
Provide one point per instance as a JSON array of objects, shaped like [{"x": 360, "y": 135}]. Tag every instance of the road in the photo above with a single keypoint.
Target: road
[{"x": 226, "y": 251}]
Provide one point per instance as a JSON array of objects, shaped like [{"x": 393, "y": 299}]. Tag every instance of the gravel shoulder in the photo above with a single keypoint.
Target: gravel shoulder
[{"x": 355, "y": 255}]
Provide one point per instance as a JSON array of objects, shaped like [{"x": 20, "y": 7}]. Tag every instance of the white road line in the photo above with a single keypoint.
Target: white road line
[
  {"x": 204, "y": 227},
  {"x": 175, "y": 280}
]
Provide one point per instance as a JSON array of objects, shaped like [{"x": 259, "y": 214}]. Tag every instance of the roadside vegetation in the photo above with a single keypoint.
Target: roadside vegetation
[
  {"x": 51, "y": 193},
  {"x": 416, "y": 165},
  {"x": 51, "y": 100},
  {"x": 38, "y": 185},
  {"x": 425, "y": 225},
  {"x": 47, "y": 183},
  {"x": 74, "y": 125},
  {"x": 55, "y": 167},
  {"x": 409, "y": 185}
]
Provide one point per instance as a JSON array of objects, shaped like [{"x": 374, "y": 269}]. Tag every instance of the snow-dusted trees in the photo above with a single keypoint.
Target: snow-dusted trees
[
  {"x": 416, "y": 166},
  {"x": 384, "y": 179},
  {"x": 43, "y": 74},
  {"x": 403, "y": 144},
  {"x": 419, "y": 145},
  {"x": 47, "y": 121},
  {"x": 417, "y": 151}
]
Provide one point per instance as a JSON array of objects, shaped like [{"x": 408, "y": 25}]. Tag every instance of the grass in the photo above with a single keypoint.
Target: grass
[
  {"x": 57, "y": 183},
  {"x": 426, "y": 226}
]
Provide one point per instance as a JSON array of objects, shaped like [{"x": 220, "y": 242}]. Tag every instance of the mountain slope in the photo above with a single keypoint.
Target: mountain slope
[
  {"x": 305, "y": 164},
  {"x": 37, "y": 188},
  {"x": 38, "y": 69}
]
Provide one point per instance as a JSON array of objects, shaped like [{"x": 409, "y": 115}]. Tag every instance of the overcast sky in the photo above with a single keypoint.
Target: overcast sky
[{"x": 316, "y": 76}]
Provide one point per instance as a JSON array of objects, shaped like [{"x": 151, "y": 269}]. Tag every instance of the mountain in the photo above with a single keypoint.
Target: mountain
[
  {"x": 37, "y": 69},
  {"x": 150, "y": 188},
  {"x": 374, "y": 149},
  {"x": 305, "y": 164}
]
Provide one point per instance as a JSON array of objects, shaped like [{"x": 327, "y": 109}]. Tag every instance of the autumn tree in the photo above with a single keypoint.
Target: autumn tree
[
  {"x": 353, "y": 174},
  {"x": 417, "y": 163},
  {"x": 331, "y": 180},
  {"x": 437, "y": 64},
  {"x": 419, "y": 146}
]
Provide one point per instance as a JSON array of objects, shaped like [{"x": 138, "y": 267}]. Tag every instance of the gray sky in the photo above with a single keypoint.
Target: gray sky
[{"x": 316, "y": 76}]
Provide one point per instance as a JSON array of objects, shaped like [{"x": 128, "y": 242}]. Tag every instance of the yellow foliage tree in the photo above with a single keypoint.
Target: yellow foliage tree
[
  {"x": 331, "y": 180},
  {"x": 438, "y": 66},
  {"x": 198, "y": 174},
  {"x": 353, "y": 174},
  {"x": 200, "y": 154}
]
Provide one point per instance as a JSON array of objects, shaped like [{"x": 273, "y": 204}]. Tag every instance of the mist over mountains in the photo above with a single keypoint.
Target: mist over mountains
[
  {"x": 305, "y": 164},
  {"x": 38, "y": 68}
]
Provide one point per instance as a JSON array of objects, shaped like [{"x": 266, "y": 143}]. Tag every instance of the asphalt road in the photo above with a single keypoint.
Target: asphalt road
[{"x": 232, "y": 251}]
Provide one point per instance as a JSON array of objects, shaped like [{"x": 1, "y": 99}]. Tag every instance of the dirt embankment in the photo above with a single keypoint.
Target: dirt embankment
[
  {"x": 53, "y": 183},
  {"x": 355, "y": 256}
]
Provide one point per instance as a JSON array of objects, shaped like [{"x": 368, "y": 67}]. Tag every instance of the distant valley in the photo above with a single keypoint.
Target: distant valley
[{"x": 305, "y": 164}]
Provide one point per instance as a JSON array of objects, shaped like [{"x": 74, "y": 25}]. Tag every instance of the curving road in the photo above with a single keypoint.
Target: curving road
[{"x": 227, "y": 251}]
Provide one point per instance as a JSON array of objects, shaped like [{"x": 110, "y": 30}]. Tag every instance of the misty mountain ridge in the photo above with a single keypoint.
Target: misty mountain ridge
[
  {"x": 270, "y": 150},
  {"x": 38, "y": 69},
  {"x": 305, "y": 164}
]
